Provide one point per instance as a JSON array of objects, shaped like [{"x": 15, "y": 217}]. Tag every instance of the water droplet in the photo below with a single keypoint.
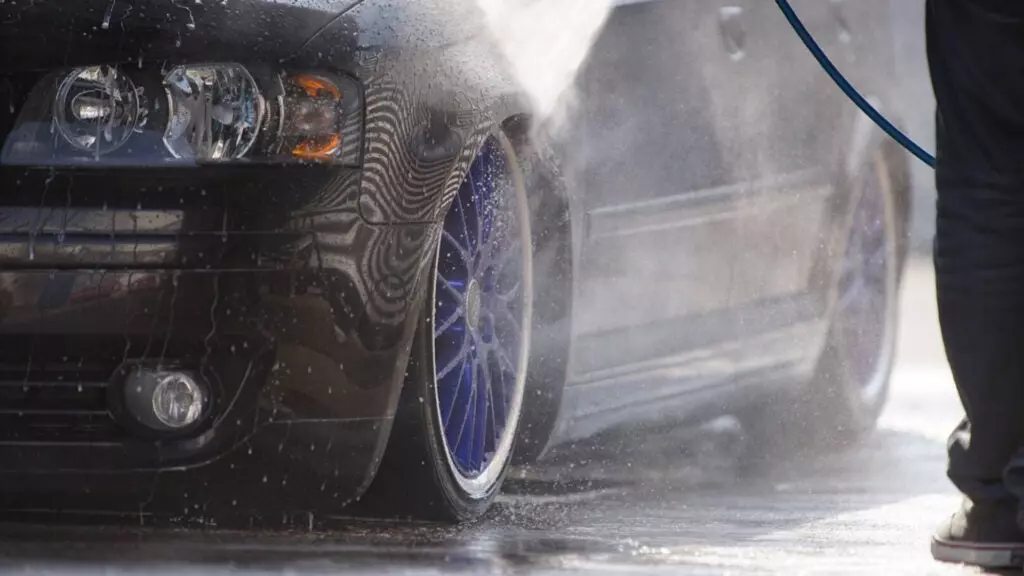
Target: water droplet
[{"x": 106, "y": 17}]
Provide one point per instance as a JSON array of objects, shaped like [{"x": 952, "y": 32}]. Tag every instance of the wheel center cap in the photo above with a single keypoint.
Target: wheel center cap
[{"x": 473, "y": 305}]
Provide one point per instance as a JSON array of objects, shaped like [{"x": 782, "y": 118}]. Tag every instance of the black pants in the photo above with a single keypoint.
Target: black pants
[{"x": 976, "y": 55}]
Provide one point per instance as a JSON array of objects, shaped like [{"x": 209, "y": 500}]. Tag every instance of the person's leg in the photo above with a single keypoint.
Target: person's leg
[{"x": 976, "y": 55}]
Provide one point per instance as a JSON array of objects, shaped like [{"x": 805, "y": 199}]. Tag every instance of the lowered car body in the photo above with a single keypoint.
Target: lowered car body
[
  {"x": 290, "y": 290},
  {"x": 248, "y": 214}
]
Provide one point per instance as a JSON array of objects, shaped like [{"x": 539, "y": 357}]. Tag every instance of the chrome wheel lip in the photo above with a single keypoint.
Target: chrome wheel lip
[{"x": 480, "y": 484}]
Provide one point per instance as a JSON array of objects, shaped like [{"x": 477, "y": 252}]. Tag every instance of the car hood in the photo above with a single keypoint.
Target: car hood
[{"x": 46, "y": 33}]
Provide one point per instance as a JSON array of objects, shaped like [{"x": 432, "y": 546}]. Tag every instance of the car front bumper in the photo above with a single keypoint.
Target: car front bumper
[{"x": 296, "y": 313}]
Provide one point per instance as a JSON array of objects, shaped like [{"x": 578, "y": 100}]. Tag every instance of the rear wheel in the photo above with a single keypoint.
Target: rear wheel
[
  {"x": 852, "y": 382},
  {"x": 459, "y": 414}
]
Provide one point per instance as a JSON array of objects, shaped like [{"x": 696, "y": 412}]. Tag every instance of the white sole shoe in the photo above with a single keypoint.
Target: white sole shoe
[{"x": 991, "y": 555}]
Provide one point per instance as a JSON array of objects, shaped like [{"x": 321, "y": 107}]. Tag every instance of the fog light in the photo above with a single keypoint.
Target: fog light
[
  {"x": 164, "y": 400},
  {"x": 178, "y": 400}
]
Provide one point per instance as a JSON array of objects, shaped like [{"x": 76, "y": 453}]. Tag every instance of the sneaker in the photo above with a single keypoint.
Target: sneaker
[{"x": 984, "y": 535}]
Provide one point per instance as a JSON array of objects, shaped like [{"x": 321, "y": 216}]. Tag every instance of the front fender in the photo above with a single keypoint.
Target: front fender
[{"x": 438, "y": 76}]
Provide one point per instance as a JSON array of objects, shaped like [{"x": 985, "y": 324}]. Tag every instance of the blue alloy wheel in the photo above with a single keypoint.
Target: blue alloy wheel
[
  {"x": 865, "y": 311},
  {"x": 481, "y": 318}
]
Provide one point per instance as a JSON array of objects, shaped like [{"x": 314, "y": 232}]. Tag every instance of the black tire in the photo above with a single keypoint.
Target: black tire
[
  {"x": 417, "y": 478},
  {"x": 551, "y": 338}
]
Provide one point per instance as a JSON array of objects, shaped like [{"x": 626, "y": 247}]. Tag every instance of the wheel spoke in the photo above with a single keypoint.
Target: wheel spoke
[
  {"x": 508, "y": 318},
  {"x": 460, "y": 356},
  {"x": 468, "y": 368},
  {"x": 512, "y": 371},
  {"x": 511, "y": 258},
  {"x": 455, "y": 396},
  {"x": 480, "y": 419},
  {"x": 438, "y": 330},
  {"x": 507, "y": 253},
  {"x": 470, "y": 420},
  {"x": 452, "y": 290},
  {"x": 492, "y": 433},
  {"x": 508, "y": 361},
  {"x": 510, "y": 296},
  {"x": 504, "y": 385},
  {"x": 465, "y": 223},
  {"x": 467, "y": 259}
]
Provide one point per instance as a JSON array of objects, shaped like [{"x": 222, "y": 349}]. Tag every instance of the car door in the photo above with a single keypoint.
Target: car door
[
  {"x": 793, "y": 120},
  {"x": 659, "y": 142}
]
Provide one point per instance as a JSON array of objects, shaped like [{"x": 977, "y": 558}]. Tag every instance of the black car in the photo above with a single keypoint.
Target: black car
[{"x": 264, "y": 257}]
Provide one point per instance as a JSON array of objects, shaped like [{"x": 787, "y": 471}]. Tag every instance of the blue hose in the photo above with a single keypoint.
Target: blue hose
[{"x": 848, "y": 89}]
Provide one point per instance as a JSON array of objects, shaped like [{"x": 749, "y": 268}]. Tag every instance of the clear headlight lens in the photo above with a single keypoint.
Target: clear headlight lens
[
  {"x": 193, "y": 114},
  {"x": 97, "y": 109},
  {"x": 216, "y": 112}
]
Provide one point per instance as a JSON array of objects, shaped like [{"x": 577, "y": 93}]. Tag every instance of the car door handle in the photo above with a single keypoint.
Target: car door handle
[{"x": 733, "y": 31}]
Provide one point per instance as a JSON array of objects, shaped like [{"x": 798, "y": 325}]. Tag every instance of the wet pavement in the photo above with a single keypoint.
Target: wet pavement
[{"x": 680, "y": 503}]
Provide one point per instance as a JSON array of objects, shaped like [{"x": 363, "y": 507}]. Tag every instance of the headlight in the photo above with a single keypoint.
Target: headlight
[
  {"x": 97, "y": 109},
  {"x": 215, "y": 112},
  {"x": 192, "y": 114}
]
